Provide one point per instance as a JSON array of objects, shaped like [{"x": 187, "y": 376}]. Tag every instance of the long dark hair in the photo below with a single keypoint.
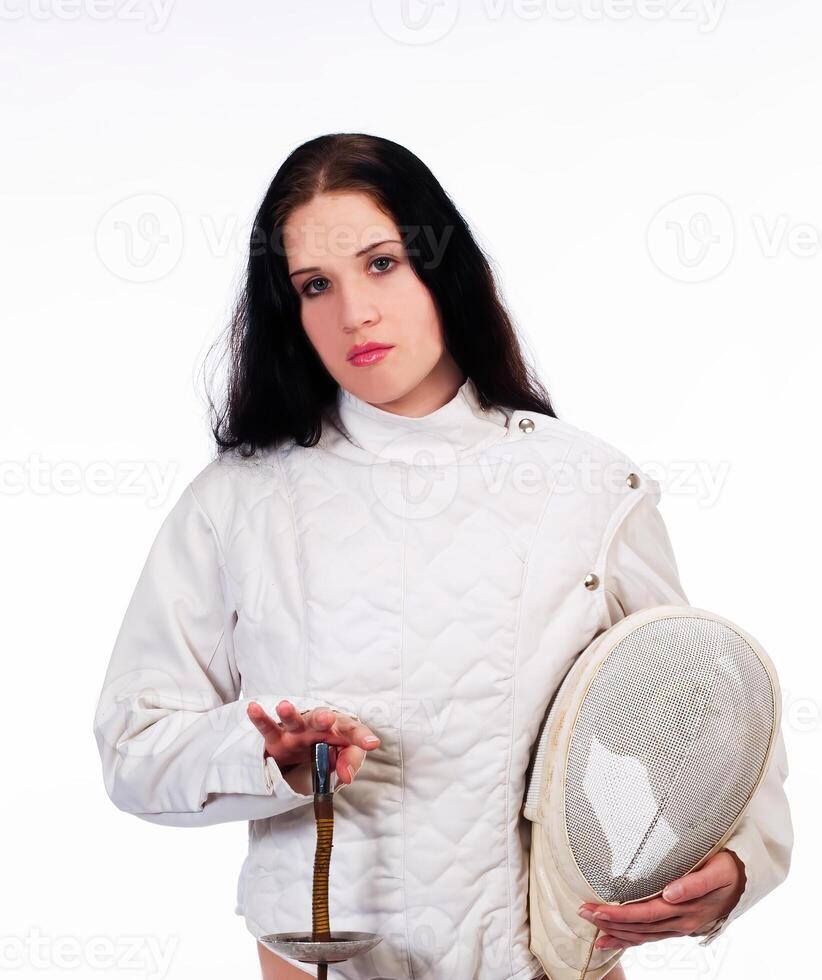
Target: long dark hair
[{"x": 277, "y": 386}]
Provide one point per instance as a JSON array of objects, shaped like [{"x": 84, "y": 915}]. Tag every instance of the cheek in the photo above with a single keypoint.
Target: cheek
[
  {"x": 415, "y": 307},
  {"x": 319, "y": 329}
]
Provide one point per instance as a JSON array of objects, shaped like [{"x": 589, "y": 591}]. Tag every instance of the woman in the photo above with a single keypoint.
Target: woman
[{"x": 398, "y": 550}]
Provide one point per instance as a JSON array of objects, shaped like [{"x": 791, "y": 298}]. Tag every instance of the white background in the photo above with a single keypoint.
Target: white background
[{"x": 646, "y": 177}]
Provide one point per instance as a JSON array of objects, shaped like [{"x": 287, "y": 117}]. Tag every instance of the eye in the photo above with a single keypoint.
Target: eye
[
  {"x": 305, "y": 289},
  {"x": 385, "y": 258}
]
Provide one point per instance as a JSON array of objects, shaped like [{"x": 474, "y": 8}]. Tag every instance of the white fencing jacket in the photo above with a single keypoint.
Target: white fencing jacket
[{"x": 435, "y": 577}]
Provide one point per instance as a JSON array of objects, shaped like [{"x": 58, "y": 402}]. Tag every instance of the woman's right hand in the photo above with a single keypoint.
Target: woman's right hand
[{"x": 289, "y": 742}]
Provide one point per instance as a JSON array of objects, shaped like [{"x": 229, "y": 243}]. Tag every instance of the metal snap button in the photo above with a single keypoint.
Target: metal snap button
[
  {"x": 527, "y": 425},
  {"x": 591, "y": 581},
  {"x": 632, "y": 481}
]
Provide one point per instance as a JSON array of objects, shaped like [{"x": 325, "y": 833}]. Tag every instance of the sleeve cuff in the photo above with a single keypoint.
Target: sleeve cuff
[
  {"x": 742, "y": 844},
  {"x": 295, "y": 783}
]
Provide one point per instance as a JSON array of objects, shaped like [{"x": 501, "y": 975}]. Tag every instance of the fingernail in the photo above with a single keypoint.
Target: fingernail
[
  {"x": 351, "y": 773},
  {"x": 588, "y": 916},
  {"x": 371, "y": 739},
  {"x": 672, "y": 892},
  {"x": 603, "y": 915}
]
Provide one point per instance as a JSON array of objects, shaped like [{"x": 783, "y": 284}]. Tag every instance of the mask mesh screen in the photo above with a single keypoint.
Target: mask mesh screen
[{"x": 666, "y": 749}]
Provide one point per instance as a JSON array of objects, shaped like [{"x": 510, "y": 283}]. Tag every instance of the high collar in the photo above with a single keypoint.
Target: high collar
[{"x": 459, "y": 428}]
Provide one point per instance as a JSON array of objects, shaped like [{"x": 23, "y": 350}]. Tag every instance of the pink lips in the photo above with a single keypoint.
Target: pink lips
[{"x": 368, "y": 354}]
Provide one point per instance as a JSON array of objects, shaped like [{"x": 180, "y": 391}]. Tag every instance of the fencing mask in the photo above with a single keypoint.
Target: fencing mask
[{"x": 656, "y": 740}]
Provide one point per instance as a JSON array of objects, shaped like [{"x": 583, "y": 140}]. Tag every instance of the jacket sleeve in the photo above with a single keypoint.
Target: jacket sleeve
[
  {"x": 176, "y": 744},
  {"x": 641, "y": 571}
]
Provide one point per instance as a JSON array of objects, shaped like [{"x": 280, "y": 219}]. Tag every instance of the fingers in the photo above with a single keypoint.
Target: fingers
[
  {"x": 651, "y": 910},
  {"x": 262, "y": 720},
  {"x": 349, "y": 761},
  {"x": 317, "y": 719},
  {"x": 355, "y": 732},
  {"x": 657, "y": 924},
  {"x": 291, "y": 720},
  {"x": 289, "y": 717},
  {"x": 339, "y": 728},
  {"x": 634, "y": 937}
]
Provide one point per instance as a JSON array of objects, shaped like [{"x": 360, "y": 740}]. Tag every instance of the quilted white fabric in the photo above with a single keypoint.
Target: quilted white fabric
[{"x": 434, "y": 576}]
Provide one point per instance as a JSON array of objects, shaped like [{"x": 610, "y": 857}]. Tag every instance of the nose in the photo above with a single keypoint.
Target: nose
[{"x": 357, "y": 309}]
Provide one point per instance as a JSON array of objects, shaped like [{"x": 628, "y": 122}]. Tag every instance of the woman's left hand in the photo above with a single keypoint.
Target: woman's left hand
[{"x": 704, "y": 895}]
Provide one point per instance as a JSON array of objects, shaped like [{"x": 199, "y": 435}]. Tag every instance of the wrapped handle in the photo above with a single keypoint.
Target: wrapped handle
[{"x": 322, "y": 762}]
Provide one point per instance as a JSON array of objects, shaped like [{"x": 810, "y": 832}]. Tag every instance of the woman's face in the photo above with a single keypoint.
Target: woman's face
[{"x": 356, "y": 287}]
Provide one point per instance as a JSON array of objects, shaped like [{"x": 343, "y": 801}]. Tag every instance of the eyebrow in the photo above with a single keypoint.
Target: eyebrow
[{"x": 362, "y": 251}]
